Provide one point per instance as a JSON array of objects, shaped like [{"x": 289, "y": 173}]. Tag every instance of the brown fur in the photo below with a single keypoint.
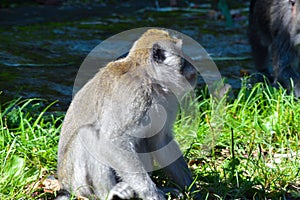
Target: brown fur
[{"x": 140, "y": 53}]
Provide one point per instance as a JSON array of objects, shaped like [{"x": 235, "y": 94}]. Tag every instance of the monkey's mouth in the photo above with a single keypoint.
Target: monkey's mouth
[{"x": 189, "y": 72}]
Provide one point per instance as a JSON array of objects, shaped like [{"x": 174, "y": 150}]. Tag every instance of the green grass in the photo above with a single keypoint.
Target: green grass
[
  {"x": 28, "y": 143},
  {"x": 244, "y": 148}
]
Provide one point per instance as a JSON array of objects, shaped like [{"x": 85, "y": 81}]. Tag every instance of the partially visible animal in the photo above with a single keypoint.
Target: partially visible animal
[{"x": 274, "y": 33}]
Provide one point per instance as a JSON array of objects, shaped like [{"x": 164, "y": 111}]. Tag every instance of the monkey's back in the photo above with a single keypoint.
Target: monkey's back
[{"x": 100, "y": 92}]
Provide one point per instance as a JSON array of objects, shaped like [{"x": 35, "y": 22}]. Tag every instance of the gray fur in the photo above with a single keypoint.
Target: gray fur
[{"x": 117, "y": 118}]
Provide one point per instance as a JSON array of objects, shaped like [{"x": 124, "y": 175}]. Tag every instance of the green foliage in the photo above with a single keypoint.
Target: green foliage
[
  {"x": 245, "y": 148},
  {"x": 28, "y": 143}
]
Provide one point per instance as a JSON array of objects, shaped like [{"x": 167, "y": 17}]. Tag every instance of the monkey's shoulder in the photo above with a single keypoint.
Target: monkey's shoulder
[{"x": 118, "y": 68}]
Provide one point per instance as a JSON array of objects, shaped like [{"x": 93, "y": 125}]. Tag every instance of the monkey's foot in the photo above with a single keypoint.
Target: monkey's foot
[
  {"x": 171, "y": 191},
  {"x": 121, "y": 191}
]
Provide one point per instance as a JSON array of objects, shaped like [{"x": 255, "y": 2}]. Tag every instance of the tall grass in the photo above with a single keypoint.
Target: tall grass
[
  {"x": 244, "y": 148},
  {"x": 28, "y": 143}
]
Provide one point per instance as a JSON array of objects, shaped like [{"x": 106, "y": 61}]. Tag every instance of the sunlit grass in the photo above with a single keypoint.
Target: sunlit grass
[
  {"x": 247, "y": 147},
  {"x": 28, "y": 143},
  {"x": 243, "y": 148}
]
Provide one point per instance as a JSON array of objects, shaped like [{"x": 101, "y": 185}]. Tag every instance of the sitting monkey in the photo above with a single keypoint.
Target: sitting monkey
[{"x": 122, "y": 119}]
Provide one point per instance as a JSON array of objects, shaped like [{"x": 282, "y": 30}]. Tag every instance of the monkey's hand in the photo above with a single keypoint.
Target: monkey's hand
[{"x": 121, "y": 191}]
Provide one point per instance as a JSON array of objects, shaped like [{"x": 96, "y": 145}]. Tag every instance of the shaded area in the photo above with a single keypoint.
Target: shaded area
[{"x": 42, "y": 46}]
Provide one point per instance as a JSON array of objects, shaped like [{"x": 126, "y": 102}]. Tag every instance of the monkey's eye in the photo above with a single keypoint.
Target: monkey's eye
[{"x": 158, "y": 53}]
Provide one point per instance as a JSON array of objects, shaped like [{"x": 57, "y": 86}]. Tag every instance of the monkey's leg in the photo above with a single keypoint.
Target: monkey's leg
[
  {"x": 133, "y": 173},
  {"x": 73, "y": 170},
  {"x": 102, "y": 179},
  {"x": 174, "y": 192},
  {"x": 283, "y": 63},
  {"x": 63, "y": 195},
  {"x": 260, "y": 51},
  {"x": 168, "y": 154},
  {"x": 91, "y": 176},
  {"x": 289, "y": 78},
  {"x": 119, "y": 154}
]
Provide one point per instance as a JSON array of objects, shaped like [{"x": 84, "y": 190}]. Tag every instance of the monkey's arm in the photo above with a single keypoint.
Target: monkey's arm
[
  {"x": 286, "y": 76},
  {"x": 285, "y": 66},
  {"x": 119, "y": 153},
  {"x": 260, "y": 37},
  {"x": 168, "y": 155}
]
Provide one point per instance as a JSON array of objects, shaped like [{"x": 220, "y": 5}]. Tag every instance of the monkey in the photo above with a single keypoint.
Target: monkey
[
  {"x": 274, "y": 32},
  {"x": 120, "y": 123}
]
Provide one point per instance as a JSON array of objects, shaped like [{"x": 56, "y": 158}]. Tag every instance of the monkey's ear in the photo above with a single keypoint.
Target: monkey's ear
[{"x": 158, "y": 54}]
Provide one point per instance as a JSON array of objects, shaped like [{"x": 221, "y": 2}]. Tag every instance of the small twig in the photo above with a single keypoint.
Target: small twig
[
  {"x": 232, "y": 144},
  {"x": 213, "y": 135}
]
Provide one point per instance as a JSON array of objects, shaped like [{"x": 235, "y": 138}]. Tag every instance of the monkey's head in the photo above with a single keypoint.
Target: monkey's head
[{"x": 162, "y": 56}]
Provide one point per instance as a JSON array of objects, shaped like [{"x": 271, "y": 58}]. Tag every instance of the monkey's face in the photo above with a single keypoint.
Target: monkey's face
[{"x": 172, "y": 68}]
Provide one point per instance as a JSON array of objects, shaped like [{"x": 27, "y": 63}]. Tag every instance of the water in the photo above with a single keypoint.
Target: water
[{"x": 42, "y": 47}]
